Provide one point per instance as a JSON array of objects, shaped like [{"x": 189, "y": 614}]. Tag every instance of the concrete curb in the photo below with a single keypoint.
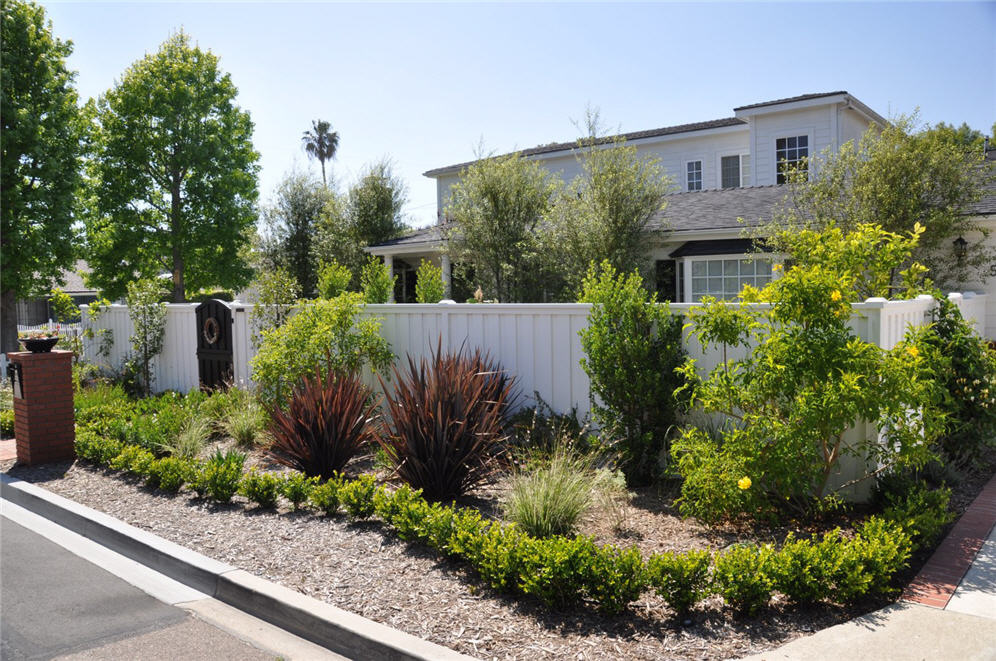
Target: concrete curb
[{"x": 338, "y": 630}]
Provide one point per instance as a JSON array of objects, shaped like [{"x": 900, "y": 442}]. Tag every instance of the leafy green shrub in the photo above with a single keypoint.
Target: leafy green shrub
[
  {"x": 445, "y": 431},
  {"x": 95, "y": 448},
  {"x": 274, "y": 292},
  {"x": 221, "y": 475},
  {"x": 7, "y": 422},
  {"x": 170, "y": 473},
  {"x": 455, "y": 532},
  {"x": 325, "y": 423},
  {"x": 375, "y": 280},
  {"x": 102, "y": 407},
  {"x": 403, "y": 509},
  {"x": 148, "y": 318},
  {"x": 333, "y": 279},
  {"x": 297, "y": 488},
  {"x": 555, "y": 570},
  {"x": 633, "y": 346},
  {"x": 260, "y": 488},
  {"x": 328, "y": 333},
  {"x": 681, "y": 579},
  {"x": 885, "y": 549},
  {"x": 615, "y": 578},
  {"x": 804, "y": 571},
  {"x": 357, "y": 497},
  {"x": 968, "y": 379},
  {"x": 133, "y": 459},
  {"x": 326, "y": 496},
  {"x": 921, "y": 512},
  {"x": 550, "y": 499},
  {"x": 806, "y": 380},
  {"x": 429, "y": 283},
  {"x": 494, "y": 551},
  {"x": 742, "y": 576}
]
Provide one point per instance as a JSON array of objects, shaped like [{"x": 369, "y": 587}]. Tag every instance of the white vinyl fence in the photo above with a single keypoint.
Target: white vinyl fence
[{"x": 537, "y": 343}]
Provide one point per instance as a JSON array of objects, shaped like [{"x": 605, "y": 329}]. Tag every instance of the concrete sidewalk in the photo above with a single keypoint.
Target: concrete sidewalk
[{"x": 948, "y": 611}]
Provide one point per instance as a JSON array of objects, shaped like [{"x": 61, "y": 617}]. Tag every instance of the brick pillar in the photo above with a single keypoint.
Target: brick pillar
[{"x": 44, "y": 423}]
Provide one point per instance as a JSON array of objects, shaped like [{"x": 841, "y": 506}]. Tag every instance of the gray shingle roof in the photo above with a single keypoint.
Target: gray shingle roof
[
  {"x": 635, "y": 135},
  {"x": 791, "y": 99},
  {"x": 719, "y": 209}
]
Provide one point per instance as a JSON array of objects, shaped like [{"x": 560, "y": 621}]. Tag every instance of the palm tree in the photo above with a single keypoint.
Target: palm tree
[{"x": 321, "y": 142}]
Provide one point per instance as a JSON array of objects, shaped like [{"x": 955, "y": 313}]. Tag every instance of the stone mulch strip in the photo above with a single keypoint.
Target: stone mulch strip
[{"x": 940, "y": 576}]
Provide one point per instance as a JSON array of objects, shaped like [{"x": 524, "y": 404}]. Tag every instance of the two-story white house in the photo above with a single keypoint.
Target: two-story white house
[{"x": 726, "y": 169}]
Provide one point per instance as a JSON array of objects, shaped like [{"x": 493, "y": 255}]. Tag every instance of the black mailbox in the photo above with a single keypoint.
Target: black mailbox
[{"x": 16, "y": 379}]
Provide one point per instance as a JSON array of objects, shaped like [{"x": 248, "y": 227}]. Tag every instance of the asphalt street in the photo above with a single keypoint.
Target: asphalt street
[{"x": 56, "y": 605}]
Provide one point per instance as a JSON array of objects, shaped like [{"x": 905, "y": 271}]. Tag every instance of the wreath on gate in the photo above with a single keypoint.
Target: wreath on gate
[{"x": 211, "y": 330}]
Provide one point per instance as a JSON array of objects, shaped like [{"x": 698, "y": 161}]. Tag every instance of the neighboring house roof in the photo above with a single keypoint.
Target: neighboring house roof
[
  {"x": 72, "y": 280},
  {"x": 635, "y": 135}
]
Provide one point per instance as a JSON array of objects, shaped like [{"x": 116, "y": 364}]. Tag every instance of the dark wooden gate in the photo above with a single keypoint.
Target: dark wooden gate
[{"x": 214, "y": 343}]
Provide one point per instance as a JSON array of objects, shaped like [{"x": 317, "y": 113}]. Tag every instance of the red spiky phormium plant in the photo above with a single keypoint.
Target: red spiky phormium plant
[
  {"x": 445, "y": 434},
  {"x": 327, "y": 420}
]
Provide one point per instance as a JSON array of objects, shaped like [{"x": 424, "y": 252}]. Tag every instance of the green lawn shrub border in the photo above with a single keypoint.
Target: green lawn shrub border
[{"x": 571, "y": 571}]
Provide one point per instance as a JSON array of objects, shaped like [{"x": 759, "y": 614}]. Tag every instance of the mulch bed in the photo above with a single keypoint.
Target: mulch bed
[{"x": 365, "y": 569}]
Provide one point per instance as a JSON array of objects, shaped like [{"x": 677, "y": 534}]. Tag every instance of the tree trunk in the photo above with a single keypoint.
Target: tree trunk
[
  {"x": 179, "y": 293},
  {"x": 8, "y": 325}
]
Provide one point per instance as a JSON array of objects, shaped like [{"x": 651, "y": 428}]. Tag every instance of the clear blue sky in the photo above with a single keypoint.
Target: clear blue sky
[{"x": 424, "y": 84}]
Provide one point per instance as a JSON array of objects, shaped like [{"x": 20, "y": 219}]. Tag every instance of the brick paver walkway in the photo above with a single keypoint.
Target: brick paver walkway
[
  {"x": 939, "y": 578},
  {"x": 8, "y": 450}
]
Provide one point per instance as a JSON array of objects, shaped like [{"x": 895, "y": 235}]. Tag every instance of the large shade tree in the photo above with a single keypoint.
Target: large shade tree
[
  {"x": 175, "y": 174},
  {"x": 898, "y": 177},
  {"x": 321, "y": 142},
  {"x": 291, "y": 223},
  {"x": 496, "y": 209},
  {"x": 40, "y": 165}
]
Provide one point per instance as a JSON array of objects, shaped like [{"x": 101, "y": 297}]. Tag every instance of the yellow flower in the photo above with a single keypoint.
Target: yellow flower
[
  {"x": 744, "y": 482},
  {"x": 913, "y": 351},
  {"x": 776, "y": 267},
  {"x": 835, "y": 296}
]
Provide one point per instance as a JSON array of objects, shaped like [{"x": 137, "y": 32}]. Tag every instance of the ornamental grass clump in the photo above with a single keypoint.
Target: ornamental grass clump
[
  {"x": 445, "y": 432},
  {"x": 550, "y": 499},
  {"x": 328, "y": 419}
]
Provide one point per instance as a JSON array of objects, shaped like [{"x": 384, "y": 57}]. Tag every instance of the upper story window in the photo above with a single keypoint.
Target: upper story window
[
  {"x": 693, "y": 176},
  {"x": 734, "y": 171},
  {"x": 791, "y": 154}
]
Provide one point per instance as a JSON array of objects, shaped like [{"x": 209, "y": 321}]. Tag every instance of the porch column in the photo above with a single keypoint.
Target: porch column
[
  {"x": 389, "y": 264},
  {"x": 445, "y": 264}
]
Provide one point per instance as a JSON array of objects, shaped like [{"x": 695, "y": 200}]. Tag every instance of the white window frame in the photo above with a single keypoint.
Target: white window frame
[
  {"x": 719, "y": 166},
  {"x": 701, "y": 162},
  {"x": 792, "y": 134},
  {"x": 686, "y": 267}
]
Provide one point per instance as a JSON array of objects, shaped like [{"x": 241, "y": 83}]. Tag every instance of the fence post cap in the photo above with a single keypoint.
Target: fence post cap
[
  {"x": 876, "y": 302},
  {"x": 447, "y": 301},
  {"x": 924, "y": 297},
  {"x": 955, "y": 296}
]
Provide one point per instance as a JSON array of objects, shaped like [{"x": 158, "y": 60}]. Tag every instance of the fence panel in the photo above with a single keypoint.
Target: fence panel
[{"x": 537, "y": 343}]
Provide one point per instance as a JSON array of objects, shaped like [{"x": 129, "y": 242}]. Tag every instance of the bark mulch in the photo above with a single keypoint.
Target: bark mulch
[{"x": 364, "y": 568}]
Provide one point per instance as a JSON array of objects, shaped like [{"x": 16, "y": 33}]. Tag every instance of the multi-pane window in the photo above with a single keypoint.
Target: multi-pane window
[
  {"x": 724, "y": 278},
  {"x": 729, "y": 167},
  {"x": 791, "y": 154},
  {"x": 694, "y": 175}
]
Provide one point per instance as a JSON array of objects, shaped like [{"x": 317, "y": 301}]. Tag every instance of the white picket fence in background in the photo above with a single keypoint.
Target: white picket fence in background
[{"x": 537, "y": 343}]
